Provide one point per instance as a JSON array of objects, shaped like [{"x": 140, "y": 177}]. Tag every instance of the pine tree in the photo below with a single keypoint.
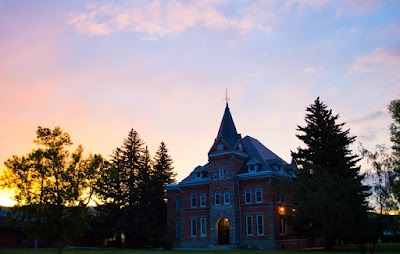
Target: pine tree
[
  {"x": 162, "y": 175},
  {"x": 144, "y": 214},
  {"x": 394, "y": 109},
  {"x": 331, "y": 196},
  {"x": 120, "y": 191}
]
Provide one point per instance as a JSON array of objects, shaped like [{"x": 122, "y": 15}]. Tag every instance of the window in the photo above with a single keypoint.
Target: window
[
  {"x": 215, "y": 176},
  {"x": 227, "y": 197},
  {"x": 219, "y": 147},
  {"x": 249, "y": 225},
  {"x": 194, "y": 227},
  {"x": 178, "y": 227},
  {"x": 193, "y": 201},
  {"x": 221, "y": 173},
  {"x": 198, "y": 175},
  {"x": 217, "y": 198},
  {"x": 283, "y": 226},
  {"x": 203, "y": 227},
  {"x": 203, "y": 200},
  {"x": 260, "y": 224},
  {"x": 247, "y": 196},
  {"x": 227, "y": 174},
  {"x": 252, "y": 167},
  {"x": 258, "y": 195},
  {"x": 178, "y": 203}
]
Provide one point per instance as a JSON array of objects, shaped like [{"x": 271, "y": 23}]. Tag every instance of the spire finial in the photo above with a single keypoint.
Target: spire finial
[{"x": 226, "y": 96}]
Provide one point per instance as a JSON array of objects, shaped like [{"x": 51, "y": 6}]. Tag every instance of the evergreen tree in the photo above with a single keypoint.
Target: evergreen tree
[
  {"x": 144, "y": 214},
  {"x": 120, "y": 191},
  {"x": 394, "y": 109},
  {"x": 331, "y": 196},
  {"x": 163, "y": 174}
]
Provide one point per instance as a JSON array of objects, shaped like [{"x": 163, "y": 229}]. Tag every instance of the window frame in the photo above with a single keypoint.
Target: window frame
[
  {"x": 193, "y": 227},
  {"x": 193, "y": 201},
  {"x": 227, "y": 193},
  {"x": 282, "y": 226},
  {"x": 203, "y": 198},
  {"x": 260, "y": 218},
  {"x": 203, "y": 227},
  {"x": 247, "y": 194},
  {"x": 258, "y": 191},
  {"x": 249, "y": 225},
  {"x": 215, "y": 198}
]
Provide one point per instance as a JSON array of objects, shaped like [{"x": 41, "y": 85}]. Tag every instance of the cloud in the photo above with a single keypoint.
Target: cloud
[
  {"x": 372, "y": 116},
  {"x": 342, "y": 8},
  {"x": 310, "y": 69},
  {"x": 161, "y": 17},
  {"x": 379, "y": 59},
  {"x": 157, "y": 18}
]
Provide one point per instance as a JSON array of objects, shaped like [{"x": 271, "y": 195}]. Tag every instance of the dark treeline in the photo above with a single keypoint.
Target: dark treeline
[
  {"x": 133, "y": 194},
  {"x": 54, "y": 187}
]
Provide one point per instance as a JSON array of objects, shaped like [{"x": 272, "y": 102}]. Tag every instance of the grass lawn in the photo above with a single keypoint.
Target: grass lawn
[{"x": 381, "y": 248}]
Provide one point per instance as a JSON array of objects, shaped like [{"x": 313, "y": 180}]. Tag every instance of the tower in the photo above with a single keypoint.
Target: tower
[{"x": 226, "y": 157}]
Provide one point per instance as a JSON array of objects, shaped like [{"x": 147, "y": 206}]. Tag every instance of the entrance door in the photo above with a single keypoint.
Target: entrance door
[{"x": 223, "y": 231}]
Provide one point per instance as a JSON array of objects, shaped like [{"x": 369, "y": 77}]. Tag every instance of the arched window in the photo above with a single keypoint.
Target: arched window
[
  {"x": 193, "y": 201},
  {"x": 247, "y": 196},
  {"x": 258, "y": 195},
  {"x": 227, "y": 197},
  {"x": 178, "y": 203},
  {"x": 217, "y": 198},
  {"x": 203, "y": 200}
]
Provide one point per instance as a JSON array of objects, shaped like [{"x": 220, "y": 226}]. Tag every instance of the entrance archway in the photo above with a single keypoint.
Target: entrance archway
[{"x": 223, "y": 231}]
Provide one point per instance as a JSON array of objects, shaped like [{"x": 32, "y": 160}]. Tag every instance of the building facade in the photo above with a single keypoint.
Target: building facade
[{"x": 238, "y": 199}]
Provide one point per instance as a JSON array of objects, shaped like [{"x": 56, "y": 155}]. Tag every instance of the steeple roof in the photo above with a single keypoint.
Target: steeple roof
[{"x": 227, "y": 130}]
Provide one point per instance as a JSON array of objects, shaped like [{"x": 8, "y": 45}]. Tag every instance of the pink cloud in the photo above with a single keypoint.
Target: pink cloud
[
  {"x": 380, "y": 58},
  {"x": 157, "y": 18}
]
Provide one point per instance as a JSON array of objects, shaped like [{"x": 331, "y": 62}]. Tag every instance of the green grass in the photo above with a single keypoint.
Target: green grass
[{"x": 350, "y": 249}]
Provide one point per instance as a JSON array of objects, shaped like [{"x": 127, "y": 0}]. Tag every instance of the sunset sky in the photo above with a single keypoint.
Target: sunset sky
[{"x": 99, "y": 68}]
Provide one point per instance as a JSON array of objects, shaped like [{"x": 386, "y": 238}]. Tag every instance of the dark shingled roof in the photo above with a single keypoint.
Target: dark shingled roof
[
  {"x": 227, "y": 130},
  {"x": 266, "y": 158}
]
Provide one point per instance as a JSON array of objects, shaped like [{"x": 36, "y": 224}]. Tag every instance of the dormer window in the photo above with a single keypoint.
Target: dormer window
[
  {"x": 252, "y": 166},
  {"x": 198, "y": 175},
  {"x": 220, "y": 147},
  {"x": 240, "y": 147}
]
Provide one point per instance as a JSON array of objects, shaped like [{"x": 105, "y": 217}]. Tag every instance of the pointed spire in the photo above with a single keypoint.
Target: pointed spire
[
  {"x": 227, "y": 130},
  {"x": 226, "y": 96}
]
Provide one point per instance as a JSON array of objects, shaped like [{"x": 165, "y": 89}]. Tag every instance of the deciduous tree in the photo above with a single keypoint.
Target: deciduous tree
[{"x": 50, "y": 183}]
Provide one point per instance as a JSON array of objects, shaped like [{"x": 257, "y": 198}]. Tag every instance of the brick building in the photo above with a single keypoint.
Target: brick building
[{"x": 236, "y": 200}]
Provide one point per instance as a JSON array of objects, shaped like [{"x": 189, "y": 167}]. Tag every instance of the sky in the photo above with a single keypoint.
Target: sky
[{"x": 99, "y": 68}]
